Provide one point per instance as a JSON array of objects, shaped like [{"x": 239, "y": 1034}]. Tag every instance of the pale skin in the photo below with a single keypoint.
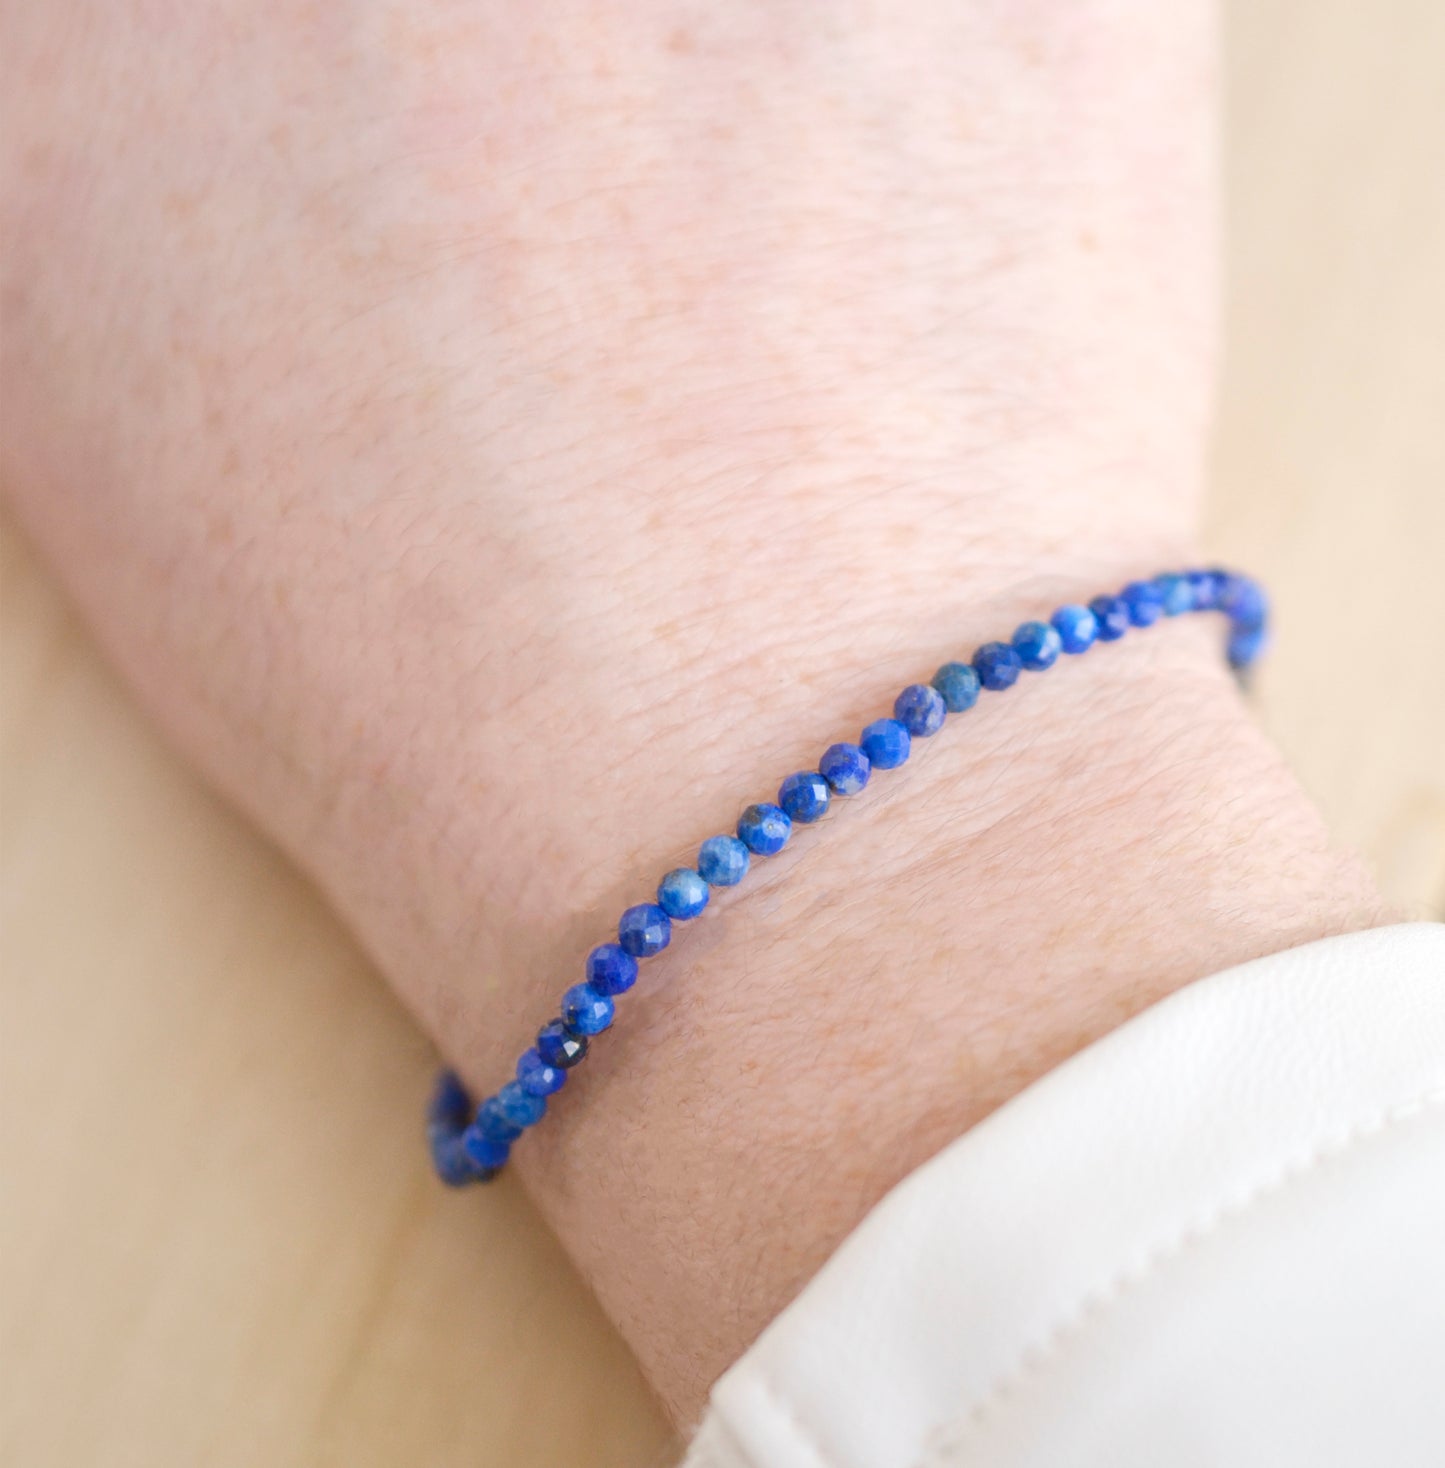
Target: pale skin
[{"x": 497, "y": 444}]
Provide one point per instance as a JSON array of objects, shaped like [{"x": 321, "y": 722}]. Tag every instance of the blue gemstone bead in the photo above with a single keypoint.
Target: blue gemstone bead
[
  {"x": 682, "y": 894},
  {"x": 886, "y": 743},
  {"x": 559, "y": 1047},
  {"x": 536, "y": 1077},
  {"x": 454, "y": 1164},
  {"x": 958, "y": 685},
  {"x": 1175, "y": 592},
  {"x": 723, "y": 861},
  {"x": 1145, "y": 602},
  {"x": 998, "y": 665},
  {"x": 1076, "y": 626},
  {"x": 845, "y": 767},
  {"x": 585, "y": 1011},
  {"x": 1245, "y": 602},
  {"x": 611, "y": 969},
  {"x": 764, "y": 829},
  {"x": 804, "y": 796},
  {"x": 519, "y": 1106},
  {"x": 1245, "y": 645},
  {"x": 920, "y": 709},
  {"x": 485, "y": 1154},
  {"x": 644, "y": 930},
  {"x": 1037, "y": 645},
  {"x": 450, "y": 1108},
  {"x": 1205, "y": 588},
  {"x": 493, "y": 1123},
  {"x": 1112, "y": 616}
]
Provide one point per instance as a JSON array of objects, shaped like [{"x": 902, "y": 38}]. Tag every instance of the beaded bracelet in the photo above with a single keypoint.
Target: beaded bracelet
[{"x": 470, "y": 1146}]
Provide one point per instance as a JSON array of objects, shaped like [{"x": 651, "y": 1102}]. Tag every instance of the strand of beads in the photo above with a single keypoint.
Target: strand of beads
[{"x": 472, "y": 1146}]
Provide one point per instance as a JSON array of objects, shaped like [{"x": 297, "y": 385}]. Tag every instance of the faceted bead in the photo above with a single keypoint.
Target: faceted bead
[
  {"x": 1076, "y": 627},
  {"x": 958, "y": 685},
  {"x": 450, "y": 1108},
  {"x": 1112, "y": 615},
  {"x": 682, "y": 894},
  {"x": 644, "y": 930},
  {"x": 920, "y": 709},
  {"x": 493, "y": 1123},
  {"x": 886, "y": 744},
  {"x": 764, "y": 829},
  {"x": 559, "y": 1047},
  {"x": 845, "y": 767},
  {"x": 1245, "y": 645},
  {"x": 1175, "y": 592},
  {"x": 804, "y": 796},
  {"x": 998, "y": 665},
  {"x": 484, "y": 1154},
  {"x": 611, "y": 969},
  {"x": 1145, "y": 602},
  {"x": 536, "y": 1077},
  {"x": 1205, "y": 588},
  {"x": 1037, "y": 645},
  {"x": 519, "y": 1106},
  {"x": 454, "y": 1166},
  {"x": 585, "y": 1011},
  {"x": 723, "y": 861},
  {"x": 1245, "y": 602}
]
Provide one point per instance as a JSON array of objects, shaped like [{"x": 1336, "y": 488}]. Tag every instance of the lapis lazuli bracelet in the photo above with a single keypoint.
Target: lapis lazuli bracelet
[{"x": 472, "y": 1145}]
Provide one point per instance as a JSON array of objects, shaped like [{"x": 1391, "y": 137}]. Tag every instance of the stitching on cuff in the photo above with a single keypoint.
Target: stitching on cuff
[{"x": 1039, "y": 1354}]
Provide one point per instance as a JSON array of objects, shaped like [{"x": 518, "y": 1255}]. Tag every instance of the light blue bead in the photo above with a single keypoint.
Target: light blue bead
[
  {"x": 845, "y": 767},
  {"x": 519, "y": 1107},
  {"x": 1144, "y": 601},
  {"x": 920, "y": 709},
  {"x": 644, "y": 930},
  {"x": 536, "y": 1077},
  {"x": 958, "y": 685},
  {"x": 998, "y": 665},
  {"x": 804, "y": 796},
  {"x": 585, "y": 1011},
  {"x": 764, "y": 829},
  {"x": 1245, "y": 645},
  {"x": 887, "y": 744},
  {"x": 611, "y": 969},
  {"x": 1245, "y": 603},
  {"x": 1175, "y": 592},
  {"x": 722, "y": 861},
  {"x": 1076, "y": 626},
  {"x": 1037, "y": 645},
  {"x": 682, "y": 894}
]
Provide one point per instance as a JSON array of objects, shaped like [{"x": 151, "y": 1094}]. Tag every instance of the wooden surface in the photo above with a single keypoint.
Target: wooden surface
[{"x": 220, "y": 1243}]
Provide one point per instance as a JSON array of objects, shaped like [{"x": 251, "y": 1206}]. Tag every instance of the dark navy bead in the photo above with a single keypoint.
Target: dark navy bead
[
  {"x": 1112, "y": 615},
  {"x": 723, "y": 861},
  {"x": 558, "y": 1046},
  {"x": 845, "y": 767},
  {"x": 1038, "y": 646},
  {"x": 485, "y": 1154},
  {"x": 958, "y": 685},
  {"x": 453, "y": 1164},
  {"x": 1245, "y": 645},
  {"x": 998, "y": 665},
  {"x": 450, "y": 1108},
  {"x": 682, "y": 894},
  {"x": 920, "y": 709},
  {"x": 493, "y": 1123},
  {"x": 520, "y": 1107},
  {"x": 644, "y": 930},
  {"x": 536, "y": 1077},
  {"x": 804, "y": 796},
  {"x": 1076, "y": 626},
  {"x": 611, "y": 969},
  {"x": 1175, "y": 592},
  {"x": 1245, "y": 602},
  {"x": 887, "y": 744},
  {"x": 1145, "y": 602},
  {"x": 585, "y": 1011},
  {"x": 764, "y": 829}
]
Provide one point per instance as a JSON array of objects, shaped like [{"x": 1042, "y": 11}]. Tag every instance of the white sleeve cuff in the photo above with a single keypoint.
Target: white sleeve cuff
[{"x": 1216, "y": 1236}]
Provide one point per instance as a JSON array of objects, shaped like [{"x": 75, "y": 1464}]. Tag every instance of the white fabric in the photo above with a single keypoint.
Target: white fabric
[{"x": 1216, "y": 1237}]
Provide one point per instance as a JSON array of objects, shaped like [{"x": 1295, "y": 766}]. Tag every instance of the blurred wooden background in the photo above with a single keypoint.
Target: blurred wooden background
[{"x": 221, "y": 1245}]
